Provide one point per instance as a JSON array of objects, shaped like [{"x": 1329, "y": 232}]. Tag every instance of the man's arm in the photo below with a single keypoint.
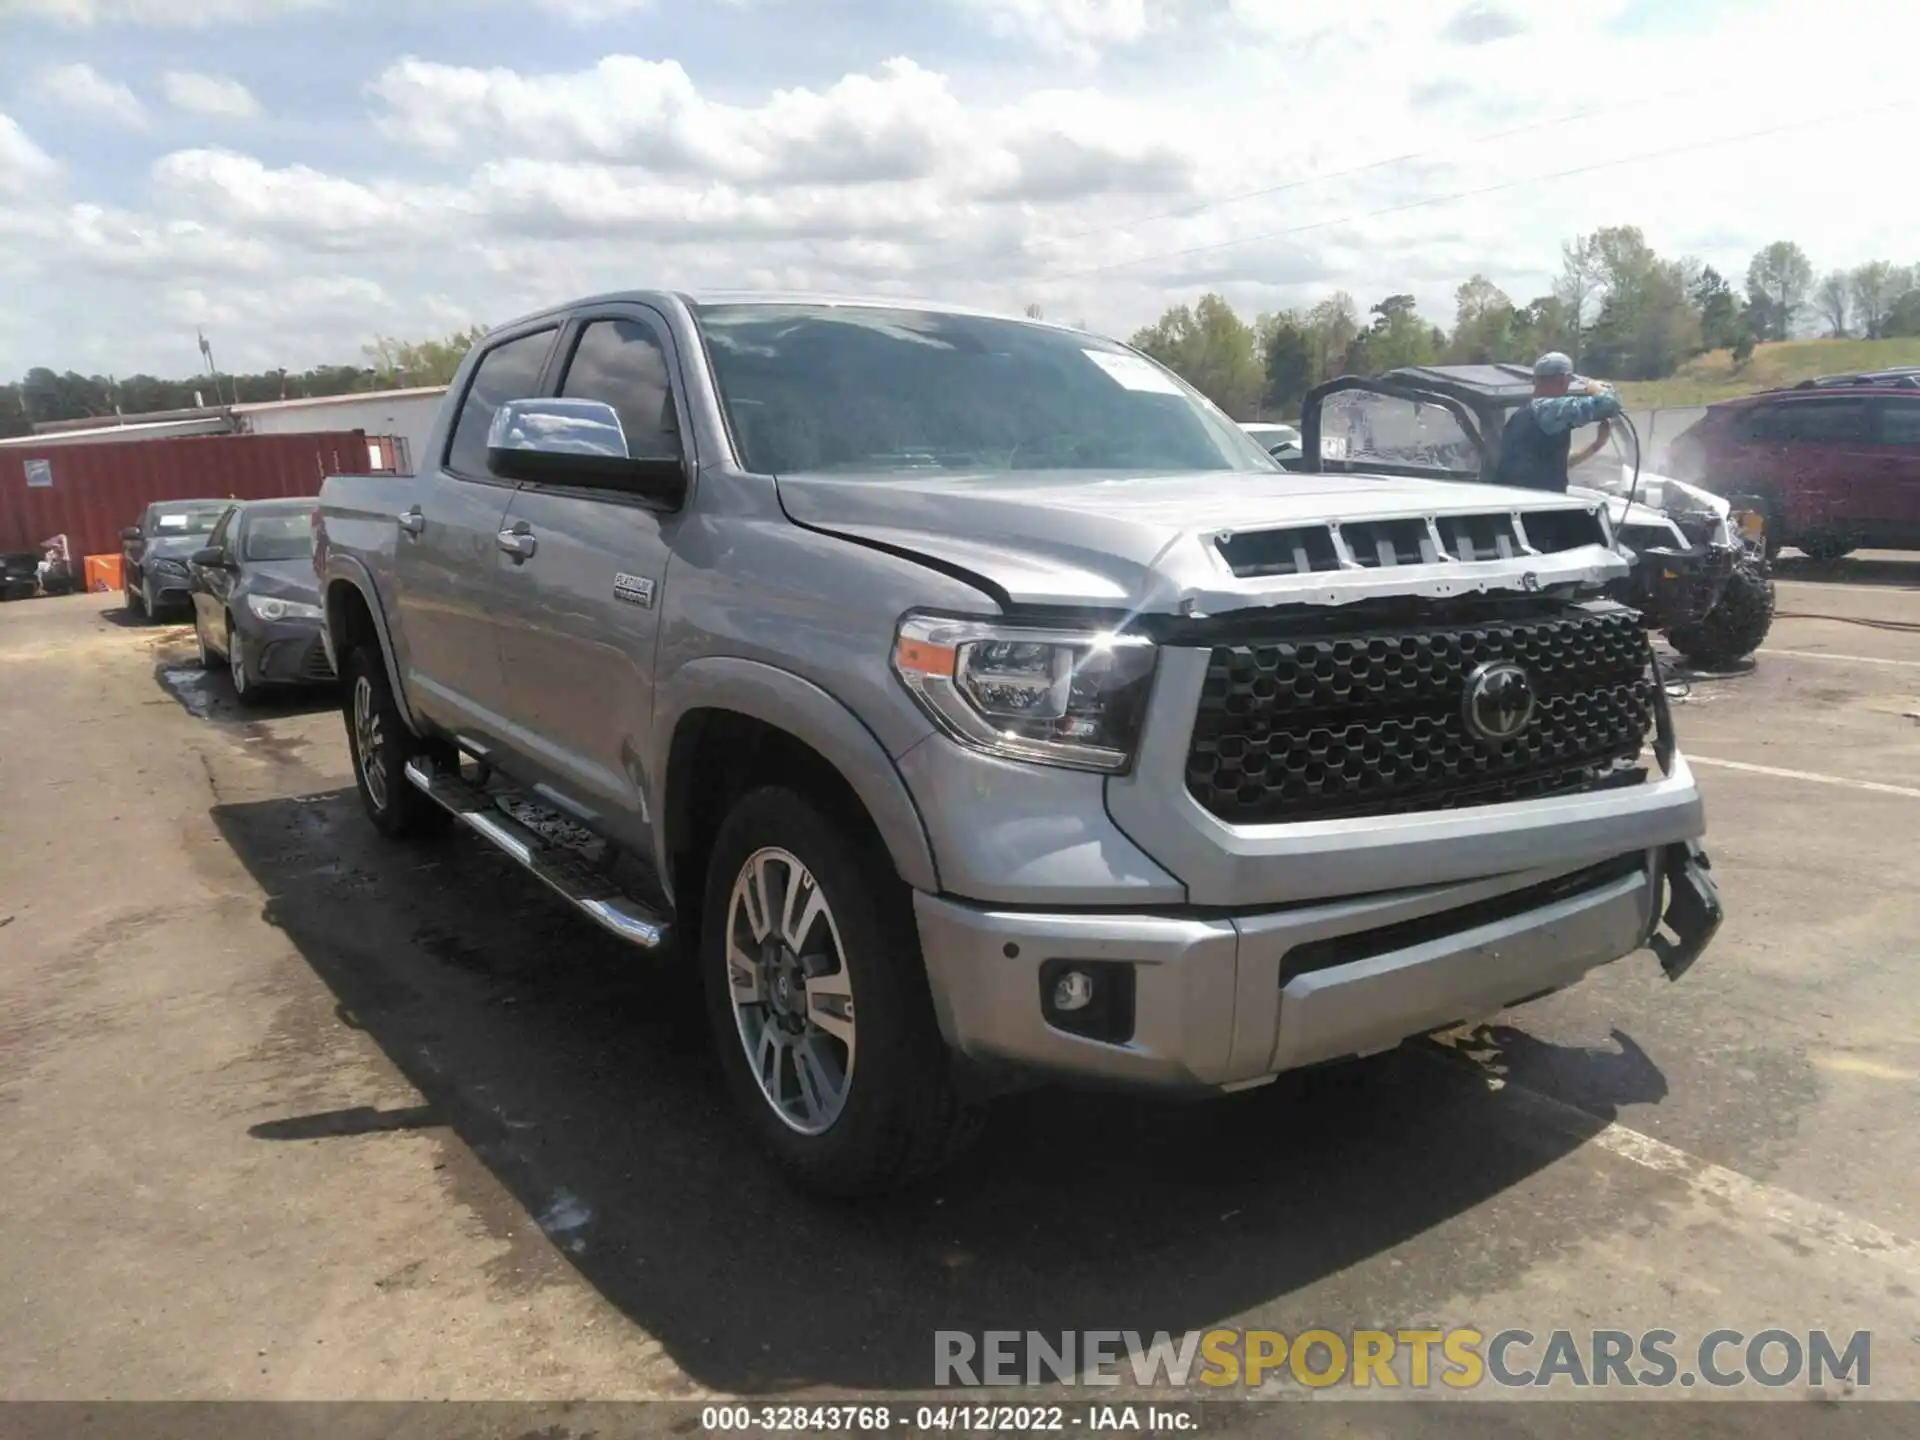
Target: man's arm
[
  {"x": 1570, "y": 412},
  {"x": 1599, "y": 444}
]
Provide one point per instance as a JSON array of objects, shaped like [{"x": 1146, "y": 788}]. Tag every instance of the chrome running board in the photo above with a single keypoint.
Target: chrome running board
[{"x": 580, "y": 884}]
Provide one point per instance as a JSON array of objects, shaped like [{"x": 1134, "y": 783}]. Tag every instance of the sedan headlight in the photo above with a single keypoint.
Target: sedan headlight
[
  {"x": 272, "y": 607},
  {"x": 1059, "y": 697},
  {"x": 166, "y": 566}
]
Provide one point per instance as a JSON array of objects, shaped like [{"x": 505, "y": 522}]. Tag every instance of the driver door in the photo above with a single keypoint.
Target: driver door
[{"x": 579, "y": 593}]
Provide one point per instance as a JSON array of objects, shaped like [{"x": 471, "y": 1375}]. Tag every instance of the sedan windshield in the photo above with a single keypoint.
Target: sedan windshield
[
  {"x": 279, "y": 535},
  {"x": 186, "y": 519},
  {"x": 813, "y": 388}
]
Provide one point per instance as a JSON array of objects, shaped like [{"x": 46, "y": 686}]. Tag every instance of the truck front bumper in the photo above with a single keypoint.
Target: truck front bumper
[{"x": 1219, "y": 1001}]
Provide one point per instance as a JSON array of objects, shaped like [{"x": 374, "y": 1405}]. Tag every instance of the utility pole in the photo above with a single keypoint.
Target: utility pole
[{"x": 213, "y": 370}]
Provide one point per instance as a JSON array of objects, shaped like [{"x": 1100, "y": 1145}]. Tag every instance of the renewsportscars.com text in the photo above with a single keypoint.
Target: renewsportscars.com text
[{"x": 1460, "y": 1359}]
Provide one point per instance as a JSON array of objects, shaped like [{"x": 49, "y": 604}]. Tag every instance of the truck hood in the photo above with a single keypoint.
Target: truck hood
[{"x": 1149, "y": 543}]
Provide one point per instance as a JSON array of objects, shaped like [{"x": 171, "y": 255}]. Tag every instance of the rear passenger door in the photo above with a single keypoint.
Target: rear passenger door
[
  {"x": 1826, "y": 458},
  {"x": 579, "y": 615},
  {"x": 1897, "y": 464},
  {"x": 447, "y": 549}
]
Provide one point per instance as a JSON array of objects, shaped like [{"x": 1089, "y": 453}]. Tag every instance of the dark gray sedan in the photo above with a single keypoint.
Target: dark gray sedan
[
  {"x": 154, "y": 555},
  {"x": 256, "y": 603}
]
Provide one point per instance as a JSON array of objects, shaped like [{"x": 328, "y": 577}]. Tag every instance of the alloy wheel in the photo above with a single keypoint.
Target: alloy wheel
[
  {"x": 367, "y": 742},
  {"x": 236, "y": 664},
  {"x": 791, "y": 992}
]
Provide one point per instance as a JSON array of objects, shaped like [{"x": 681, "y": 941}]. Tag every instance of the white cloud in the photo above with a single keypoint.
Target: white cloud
[
  {"x": 217, "y": 96},
  {"x": 194, "y": 14},
  {"x": 1265, "y": 148},
  {"x": 903, "y": 124},
  {"x": 82, "y": 88},
  {"x": 589, "y": 12},
  {"x": 1079, "y": 28},
  {"x": 23, "y": 164}
]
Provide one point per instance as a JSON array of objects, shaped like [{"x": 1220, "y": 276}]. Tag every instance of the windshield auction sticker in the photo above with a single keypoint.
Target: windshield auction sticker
[{"x": 1133, "y": 372}]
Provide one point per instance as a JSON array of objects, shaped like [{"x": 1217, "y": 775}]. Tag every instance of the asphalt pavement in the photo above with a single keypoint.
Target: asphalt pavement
[{"x": 288, "y": 1111}]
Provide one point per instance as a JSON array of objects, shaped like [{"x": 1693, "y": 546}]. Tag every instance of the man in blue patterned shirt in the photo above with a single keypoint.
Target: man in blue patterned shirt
[{"x": 1535, "y": 449}]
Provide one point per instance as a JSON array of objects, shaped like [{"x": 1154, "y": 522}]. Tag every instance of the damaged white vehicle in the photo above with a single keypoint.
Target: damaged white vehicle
[{"x": 1699, "y": 562}]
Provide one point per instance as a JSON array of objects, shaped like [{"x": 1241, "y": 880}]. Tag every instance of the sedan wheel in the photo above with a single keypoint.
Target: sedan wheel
[
  {"x": 792, "y": 995},
  {"x": 245, "y": 690}
]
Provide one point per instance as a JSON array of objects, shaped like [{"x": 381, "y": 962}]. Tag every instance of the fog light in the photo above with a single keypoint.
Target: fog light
[
  {"x": 1092, "y": 998},
  {"x": 1073, "y": 991}
]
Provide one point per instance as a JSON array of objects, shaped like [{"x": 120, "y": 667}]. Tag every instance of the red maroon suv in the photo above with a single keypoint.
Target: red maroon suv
[{"x": 1835, "y": 462}]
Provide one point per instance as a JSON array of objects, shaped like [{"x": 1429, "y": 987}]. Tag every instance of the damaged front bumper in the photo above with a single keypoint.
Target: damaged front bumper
[
  {"x": 1693, "y": 914},
  {"x": 1192, "y": 999},
  {"x": 1673, "y": 588}
]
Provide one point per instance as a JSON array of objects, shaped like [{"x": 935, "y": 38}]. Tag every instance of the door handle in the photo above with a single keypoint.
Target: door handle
[
  {"x": 412, "y": 521},
  {"x": 517, "y": 541}
]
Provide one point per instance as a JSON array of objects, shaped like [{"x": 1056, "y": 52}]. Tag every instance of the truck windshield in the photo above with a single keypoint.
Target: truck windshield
[{"x": 829, "y": 388}]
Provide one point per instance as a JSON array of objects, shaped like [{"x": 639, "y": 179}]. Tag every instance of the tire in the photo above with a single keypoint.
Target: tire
[
  {"x": 898, "y": 1115},
  {"x": 381, "y": 744},
  {"x": 1826, "y": 548},
  {"x": 247, "y": 690},
  {"x": 1735, "y": 627}
]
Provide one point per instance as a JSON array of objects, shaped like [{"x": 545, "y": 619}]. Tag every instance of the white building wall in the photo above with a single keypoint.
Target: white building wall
[{"x": 410, "y": 416}]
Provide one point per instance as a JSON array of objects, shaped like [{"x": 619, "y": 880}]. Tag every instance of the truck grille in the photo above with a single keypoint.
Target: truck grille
[{"x": 1372, "y": 722}]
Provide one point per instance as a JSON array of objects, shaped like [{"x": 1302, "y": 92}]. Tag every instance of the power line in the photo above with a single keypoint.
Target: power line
[{"x": 1448, "y": 199}]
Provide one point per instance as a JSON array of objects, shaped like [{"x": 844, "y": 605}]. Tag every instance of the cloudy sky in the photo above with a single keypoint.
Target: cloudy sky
[{"x": 298, "y": 176}]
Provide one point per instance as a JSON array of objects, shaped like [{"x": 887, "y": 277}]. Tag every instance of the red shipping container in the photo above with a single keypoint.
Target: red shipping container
[{"x": 90, "y": 493}]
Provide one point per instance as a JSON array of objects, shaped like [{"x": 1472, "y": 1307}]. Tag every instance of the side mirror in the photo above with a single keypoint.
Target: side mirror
[
  {"x": 132, "y": 532},
  {"x": 213, "y": 557},
  {"x": 576, "y": 442}
]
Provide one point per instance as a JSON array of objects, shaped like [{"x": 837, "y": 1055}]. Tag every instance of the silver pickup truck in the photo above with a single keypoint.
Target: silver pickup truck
[{"x": 970, "y": 701}]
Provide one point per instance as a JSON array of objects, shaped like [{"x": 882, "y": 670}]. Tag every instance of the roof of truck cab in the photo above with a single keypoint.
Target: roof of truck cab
[{"x": 772, "y": 298}]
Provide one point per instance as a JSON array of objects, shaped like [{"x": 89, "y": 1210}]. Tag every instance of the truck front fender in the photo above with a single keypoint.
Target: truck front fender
[
  {"x": 810, "y": 715},
  {"x": 346, "y": 571}
]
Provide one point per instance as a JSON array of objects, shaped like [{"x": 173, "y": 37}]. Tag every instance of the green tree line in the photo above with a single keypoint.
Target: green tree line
[
  {"x": 1623, "y": 311},
  {"x": 44, "y": 395}
]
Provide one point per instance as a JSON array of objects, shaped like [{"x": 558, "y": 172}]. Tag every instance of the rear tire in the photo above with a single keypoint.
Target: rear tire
[
  {"x": 381, "y": 744},
  {"x": 896, "y": 1114},
  {"x": 1826, "y": 548},
  {"x": 1735, "y": 627}
]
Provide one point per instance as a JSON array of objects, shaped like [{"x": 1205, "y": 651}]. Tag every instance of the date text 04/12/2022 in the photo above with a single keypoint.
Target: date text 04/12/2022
[{"x": 958, "y": 1416}]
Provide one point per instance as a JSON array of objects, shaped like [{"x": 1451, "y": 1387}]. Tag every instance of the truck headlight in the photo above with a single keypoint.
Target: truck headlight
[
  {"x": 272, "y": 607},
  {"x": 1058, "y": 697}
]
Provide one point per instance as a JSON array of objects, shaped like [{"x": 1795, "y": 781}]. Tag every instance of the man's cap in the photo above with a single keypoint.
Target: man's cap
[{"x": 1551, "y": 364}]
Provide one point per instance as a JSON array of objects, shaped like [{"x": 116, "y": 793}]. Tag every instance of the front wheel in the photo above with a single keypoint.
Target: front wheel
[
  {"x": 1735, "y": 627},
  {"x": 246, "y": 689},
  {"x": 818, "y": 1000},
  {"x": 381, "y": 744}
]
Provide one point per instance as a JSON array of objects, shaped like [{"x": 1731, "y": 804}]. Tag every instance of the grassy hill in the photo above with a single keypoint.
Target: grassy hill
[{"x": 1711, "y": 377}]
